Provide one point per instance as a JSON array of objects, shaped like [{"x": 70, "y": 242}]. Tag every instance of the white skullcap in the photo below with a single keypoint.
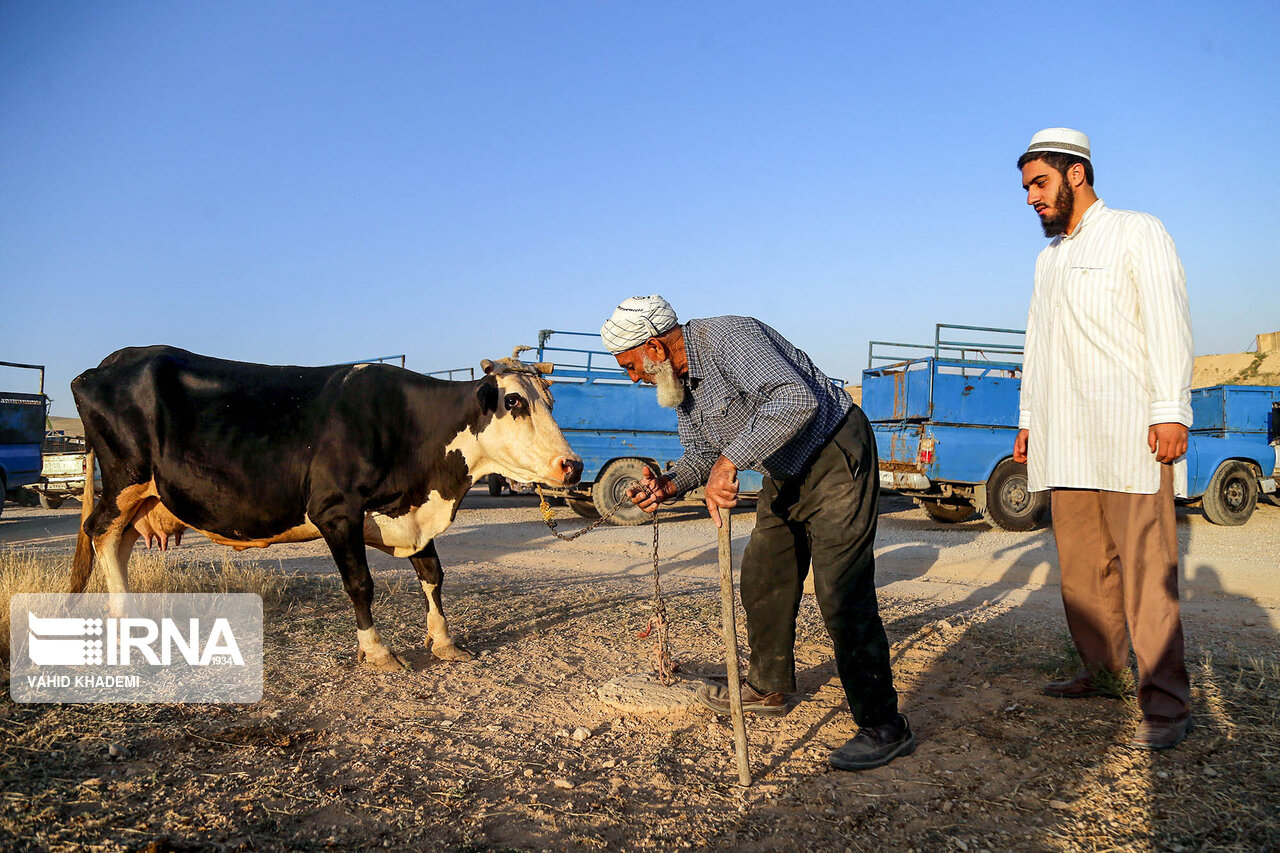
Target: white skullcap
[
  {"x": 636, "y": 320},
  {"x": 1061, "y": 139}
]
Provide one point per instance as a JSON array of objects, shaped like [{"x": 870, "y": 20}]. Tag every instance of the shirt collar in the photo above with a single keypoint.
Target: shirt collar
[
  {"x": 692, "y": 355},
  {"x": 1093, "y": 212}
]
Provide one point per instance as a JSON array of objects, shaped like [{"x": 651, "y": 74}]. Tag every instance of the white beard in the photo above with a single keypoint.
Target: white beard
[{"x": 671, "y": 391}]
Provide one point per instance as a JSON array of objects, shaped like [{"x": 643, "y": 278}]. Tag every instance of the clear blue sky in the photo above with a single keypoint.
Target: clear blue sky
[{"x": 317, "y": 182}]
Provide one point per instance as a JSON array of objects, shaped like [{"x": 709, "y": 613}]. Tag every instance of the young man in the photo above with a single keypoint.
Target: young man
[
  {"x": 745, "y": 398},
  {"x": 1106, "y": 405}
]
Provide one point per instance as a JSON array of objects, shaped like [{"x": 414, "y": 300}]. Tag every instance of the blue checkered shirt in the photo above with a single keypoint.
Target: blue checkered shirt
[{"x": 752, "y": 397}]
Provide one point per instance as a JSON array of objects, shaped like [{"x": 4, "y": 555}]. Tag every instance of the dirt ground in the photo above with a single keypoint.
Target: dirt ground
[{"x": 483, "y": 755}]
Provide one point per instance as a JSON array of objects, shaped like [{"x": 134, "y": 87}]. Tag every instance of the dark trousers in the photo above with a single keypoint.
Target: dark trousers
[{"x": 827, "y": 514}]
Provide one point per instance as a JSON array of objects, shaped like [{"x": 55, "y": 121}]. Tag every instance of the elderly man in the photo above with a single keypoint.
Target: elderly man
[
  {"x": 1106, "y": 405},
  {"x": 745, "y": 398}
]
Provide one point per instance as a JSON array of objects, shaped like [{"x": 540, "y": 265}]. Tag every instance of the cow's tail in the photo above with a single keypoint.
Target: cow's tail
[{"x": 82, "y": 565}]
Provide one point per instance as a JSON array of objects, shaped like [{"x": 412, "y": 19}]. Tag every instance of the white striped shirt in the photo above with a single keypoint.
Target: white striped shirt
[{"x": 1108, "y": 354}]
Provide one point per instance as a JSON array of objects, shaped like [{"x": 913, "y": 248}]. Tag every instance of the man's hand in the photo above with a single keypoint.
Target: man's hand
[
  {"x": 722, "y": 488},
  {"x": 1167, "y": 441},
  {"x": 1020, "y": 446},
  {"x": 651, "y": 491}
]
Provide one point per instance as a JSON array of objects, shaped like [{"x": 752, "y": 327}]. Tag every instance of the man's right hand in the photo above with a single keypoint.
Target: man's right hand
[
  {"x": 1020, "y": 446},
  {"x": 651, "y": 491}
]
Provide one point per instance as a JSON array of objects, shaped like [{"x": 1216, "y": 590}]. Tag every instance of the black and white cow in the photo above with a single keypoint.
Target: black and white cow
[{"x": 253, "y": 455}]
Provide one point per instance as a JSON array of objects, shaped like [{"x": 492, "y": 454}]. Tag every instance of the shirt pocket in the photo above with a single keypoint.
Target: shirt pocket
[{"x": 1098, "y": 295}]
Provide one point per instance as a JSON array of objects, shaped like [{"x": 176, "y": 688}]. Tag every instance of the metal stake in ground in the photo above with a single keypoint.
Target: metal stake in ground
[{"x": 728, "y": 620}]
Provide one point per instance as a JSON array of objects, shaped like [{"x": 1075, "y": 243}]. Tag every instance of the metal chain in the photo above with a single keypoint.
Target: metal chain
[
  {"x": 662, "y": 651},
  {"x": 549, "y": 518}
]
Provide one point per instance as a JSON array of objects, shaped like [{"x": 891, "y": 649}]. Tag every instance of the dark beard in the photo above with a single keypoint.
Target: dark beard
[{"x": 1065, "y": 205}]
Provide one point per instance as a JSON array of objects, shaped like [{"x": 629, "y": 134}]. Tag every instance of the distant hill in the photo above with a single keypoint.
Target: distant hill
[{"x": 1238, "y": 368}]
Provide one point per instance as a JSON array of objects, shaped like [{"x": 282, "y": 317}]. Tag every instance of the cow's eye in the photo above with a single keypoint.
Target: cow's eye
[{"x": 513, "y": 402}]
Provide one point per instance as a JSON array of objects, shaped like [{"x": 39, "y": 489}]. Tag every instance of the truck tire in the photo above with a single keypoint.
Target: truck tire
[
  {"x": 1232, "y": 494},
  {"x": 496, "y": 482},
  {"x": 49, "y": 501},
  {"x": 948, "y": 513},
  {"x": 1010, "y": 505},
  {"x": 583, "y": 509},
  {"x": 611, "y": 489}
]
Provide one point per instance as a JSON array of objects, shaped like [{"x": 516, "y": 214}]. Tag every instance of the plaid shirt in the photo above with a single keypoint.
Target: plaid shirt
[{"x": 754, "y": 398}]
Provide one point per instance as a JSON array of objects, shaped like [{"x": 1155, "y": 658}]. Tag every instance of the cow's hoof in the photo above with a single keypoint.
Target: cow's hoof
[
  {"x": 450, "y": 651},
  {"x": 383, "y": 663}
]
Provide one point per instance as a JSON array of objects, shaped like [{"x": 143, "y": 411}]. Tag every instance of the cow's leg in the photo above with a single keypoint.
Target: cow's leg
[
  {"x": 114, "y": 544},
  {"x": 427, "y": 564},
  {"x": 345, "y": 538}
]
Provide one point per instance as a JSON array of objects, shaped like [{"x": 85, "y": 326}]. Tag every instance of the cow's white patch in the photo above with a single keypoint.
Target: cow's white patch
[
  {"x": 372, "y": 648},
  {"x": 406, "y": 535}
]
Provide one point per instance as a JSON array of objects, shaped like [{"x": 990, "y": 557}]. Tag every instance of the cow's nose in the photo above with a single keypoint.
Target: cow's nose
[{"x": 570, "y": 469}]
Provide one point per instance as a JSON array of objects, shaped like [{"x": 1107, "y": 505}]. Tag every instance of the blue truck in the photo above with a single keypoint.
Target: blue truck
[
  {"x": 1232, "y": 457},
  {"x": 617, "y": 427},
  {"x": 22, "y": 427},
  {"x": 945, "y": 424}
]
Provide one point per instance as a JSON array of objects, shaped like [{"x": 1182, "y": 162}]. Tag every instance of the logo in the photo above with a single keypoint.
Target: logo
[{"x": 136, "y": 648}]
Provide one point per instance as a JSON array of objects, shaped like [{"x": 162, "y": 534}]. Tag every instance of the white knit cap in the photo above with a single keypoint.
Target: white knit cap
[
  {"x": 636, "y": 320},
  {"x": 1061, "y": 139}
]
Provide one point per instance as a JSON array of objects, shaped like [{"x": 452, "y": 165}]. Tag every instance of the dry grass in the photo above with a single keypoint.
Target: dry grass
[{"x": 24, "y": 570}]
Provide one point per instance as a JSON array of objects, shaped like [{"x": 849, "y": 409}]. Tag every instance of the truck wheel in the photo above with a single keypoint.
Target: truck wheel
[
  {"x": 496, "y": 482},
  {"x": 1232, "y": 494},
  {"x": 49, "y": 501},
  {"x": 583, "y": 509},
  {"x": 610, "y": 489},
  {"x": 1010, "y": 505},
  {"x": 948, "y": 513}
]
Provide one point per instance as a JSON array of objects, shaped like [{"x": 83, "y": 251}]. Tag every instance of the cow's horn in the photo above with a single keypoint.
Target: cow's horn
[{"x": 515, "y": 353}]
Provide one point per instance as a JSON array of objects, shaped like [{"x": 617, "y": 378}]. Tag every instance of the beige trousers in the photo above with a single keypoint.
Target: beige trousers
[{"x": 1118, "y": 554}]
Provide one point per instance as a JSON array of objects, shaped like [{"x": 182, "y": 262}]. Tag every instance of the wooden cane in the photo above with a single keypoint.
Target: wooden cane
[{"x": 728, "y": 620}]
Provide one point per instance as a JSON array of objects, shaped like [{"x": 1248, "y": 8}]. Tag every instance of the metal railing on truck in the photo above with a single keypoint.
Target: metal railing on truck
[{"x": 958, "y": 353}]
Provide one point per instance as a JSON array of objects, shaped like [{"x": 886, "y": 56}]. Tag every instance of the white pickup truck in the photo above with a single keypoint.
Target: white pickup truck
[{"x": 62, "y": 472}]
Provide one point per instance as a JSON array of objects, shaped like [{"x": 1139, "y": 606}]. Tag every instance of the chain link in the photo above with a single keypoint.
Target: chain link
[{"x": 658, "y": 621}]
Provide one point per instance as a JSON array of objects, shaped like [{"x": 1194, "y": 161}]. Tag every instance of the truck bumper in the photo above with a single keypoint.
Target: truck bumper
[{"x": 904, "y": 481}]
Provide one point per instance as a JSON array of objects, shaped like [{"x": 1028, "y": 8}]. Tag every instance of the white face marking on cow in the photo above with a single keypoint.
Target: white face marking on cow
[
  {"x": 406, "y": 535},
  {"x": 521, "y": 440}
]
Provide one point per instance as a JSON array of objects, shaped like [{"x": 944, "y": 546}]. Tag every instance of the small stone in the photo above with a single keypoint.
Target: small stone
[
  {"x": 986, "y": 603},
  {"x": 947, "y": 807},
  {"x": 1250, "y": 623},
  {"x": 446, "y": 723},
  {"x": 986, "y": 684},
  {"x": 1209, "y": 771},
  {"x": 1060, "y": 805},
  {"x": 116, "y": 750},
  {"x": 562, "y": 733},
  {"x": 581, "y": 733},
  {"x": 944, "y": 625},
  {"x": 562, "y": 783},
  {"x": 494, "y": 728},
  {"x": 528, "y": 773},
  {"x": 960, "y": 843},
  {"x": 367, "y": 741},
  {"x": 92, "y": 782},
  {"x": 609, "y": 763}
]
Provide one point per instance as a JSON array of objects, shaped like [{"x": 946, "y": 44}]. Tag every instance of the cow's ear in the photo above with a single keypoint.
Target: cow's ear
[
  {"x": 487, "y": 394},
  {"x": 486, "y": 365}
]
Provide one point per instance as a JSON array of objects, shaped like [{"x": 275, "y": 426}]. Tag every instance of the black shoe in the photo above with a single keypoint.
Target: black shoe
[{"x": 875, "y": 746}]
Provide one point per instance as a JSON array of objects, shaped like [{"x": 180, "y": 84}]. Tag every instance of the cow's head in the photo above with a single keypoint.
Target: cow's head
[{"x": 518, "y": 436}]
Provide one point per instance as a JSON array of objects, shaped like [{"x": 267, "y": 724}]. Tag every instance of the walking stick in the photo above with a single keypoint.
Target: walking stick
[{"x": 729, "y": 621}]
